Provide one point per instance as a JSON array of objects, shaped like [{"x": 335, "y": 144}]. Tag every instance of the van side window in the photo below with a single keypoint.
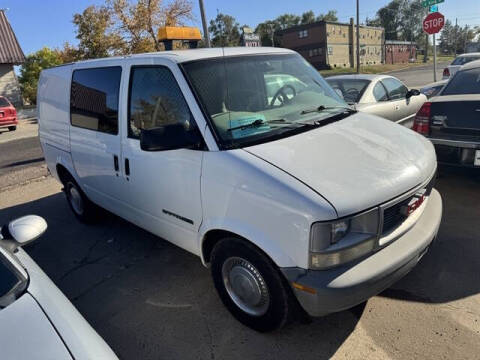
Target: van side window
[
  {"x": 94, "y": 99},
  {"x": 155, "y": 100}
]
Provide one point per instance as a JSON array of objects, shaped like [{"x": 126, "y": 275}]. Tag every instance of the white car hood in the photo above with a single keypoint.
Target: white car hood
[
  {"x": 26, "y": 333},
  {"x": 355, "y": 163}
]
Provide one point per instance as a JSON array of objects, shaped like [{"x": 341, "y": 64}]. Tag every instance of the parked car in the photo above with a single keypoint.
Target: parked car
[
  {"x": 381, "y": 95},
  {"x": 451, "y": 119},
  {"x": 288, "y": 198},
  {"x": 458, "y": 62},
  {"x": 8, "y": 114},
  {"x": 36, "y": 320},
  {"x": 433, "y": 89}
]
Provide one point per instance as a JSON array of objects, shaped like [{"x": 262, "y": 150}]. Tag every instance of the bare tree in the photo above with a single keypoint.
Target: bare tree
[{"x": 138, "y": 22}]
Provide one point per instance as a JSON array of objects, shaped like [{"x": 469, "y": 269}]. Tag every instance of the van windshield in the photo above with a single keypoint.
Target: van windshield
[{"x": 255, "y": 99}]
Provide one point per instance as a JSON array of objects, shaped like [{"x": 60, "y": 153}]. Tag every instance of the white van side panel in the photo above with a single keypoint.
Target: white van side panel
[
  {"x": 55, "y": 156},
  {"x": 53, "y": 106}
]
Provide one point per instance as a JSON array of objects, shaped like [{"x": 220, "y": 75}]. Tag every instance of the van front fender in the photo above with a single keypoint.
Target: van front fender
[{"x": 255, "y": 236}]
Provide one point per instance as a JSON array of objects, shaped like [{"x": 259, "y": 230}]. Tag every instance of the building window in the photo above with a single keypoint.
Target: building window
[
  {"x": 330, "y": 50},
  {"x": 303, "y": 34}
]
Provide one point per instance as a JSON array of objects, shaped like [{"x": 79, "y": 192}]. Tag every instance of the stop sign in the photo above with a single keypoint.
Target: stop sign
[{"x": 433, "y": 23}]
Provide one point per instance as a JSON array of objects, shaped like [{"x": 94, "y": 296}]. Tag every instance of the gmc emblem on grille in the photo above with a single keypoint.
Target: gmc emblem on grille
[{"x": 413, "y": 205}]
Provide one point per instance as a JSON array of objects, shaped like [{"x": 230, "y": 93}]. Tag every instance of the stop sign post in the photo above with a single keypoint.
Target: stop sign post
[{"x": 432, "y": 24}]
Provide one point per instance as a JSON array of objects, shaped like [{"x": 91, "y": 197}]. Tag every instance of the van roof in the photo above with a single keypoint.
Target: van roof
[{"x": 181, "y": 56}]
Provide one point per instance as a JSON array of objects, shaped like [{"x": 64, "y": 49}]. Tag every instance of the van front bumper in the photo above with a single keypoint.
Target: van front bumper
[{"x": 341, "y": 288}]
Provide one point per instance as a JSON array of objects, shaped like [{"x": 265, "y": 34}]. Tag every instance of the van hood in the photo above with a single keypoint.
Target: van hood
[{"x": 355, "y": 163}]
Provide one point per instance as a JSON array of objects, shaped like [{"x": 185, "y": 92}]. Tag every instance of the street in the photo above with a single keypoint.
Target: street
[
  {"x": 416, "y": 77},
  {"x": 151, "y": 300}
]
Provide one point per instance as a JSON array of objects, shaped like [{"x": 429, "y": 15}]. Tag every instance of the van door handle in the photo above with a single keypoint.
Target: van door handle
[
  {"x": 115, "y": 162},
  {"x": 127, "y": 167}
]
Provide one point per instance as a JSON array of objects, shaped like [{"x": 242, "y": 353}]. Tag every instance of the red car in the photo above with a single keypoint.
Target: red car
[{"x": 8, "y": 115}]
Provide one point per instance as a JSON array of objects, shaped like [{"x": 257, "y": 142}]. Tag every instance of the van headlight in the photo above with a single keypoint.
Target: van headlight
[{"x": 336, "y": 242}]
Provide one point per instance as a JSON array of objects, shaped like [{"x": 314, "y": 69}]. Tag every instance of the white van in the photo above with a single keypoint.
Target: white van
[{"x": 248, "y": 159}]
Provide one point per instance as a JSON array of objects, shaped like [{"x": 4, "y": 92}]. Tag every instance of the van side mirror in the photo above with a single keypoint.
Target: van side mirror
[
  {"x": 170, "y": 137},
  {"x": 412, "y": 92},
  {"x": 24, "y": 230}
]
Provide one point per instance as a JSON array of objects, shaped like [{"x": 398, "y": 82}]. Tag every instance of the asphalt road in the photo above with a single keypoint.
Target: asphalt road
[
  {"x": 18, "y": 154},
  {"x": 417, "y": 77},
  {"x": 151, "y": 300}
]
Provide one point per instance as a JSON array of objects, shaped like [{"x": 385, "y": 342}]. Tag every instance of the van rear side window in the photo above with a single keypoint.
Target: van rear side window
[{"x": 94, "y": 99}]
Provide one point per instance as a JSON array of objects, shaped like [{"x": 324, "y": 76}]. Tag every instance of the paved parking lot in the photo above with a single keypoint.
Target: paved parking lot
[{"x": 152, "y": 300}]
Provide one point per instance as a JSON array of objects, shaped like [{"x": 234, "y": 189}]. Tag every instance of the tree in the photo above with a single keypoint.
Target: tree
[
  {"x": 30, "y": 71},
  {"x": 454, "y": 38},
  {"x": 69, "y": 53},
  {"x": 224, "y": 30},
  {"x": 402, "y": 20},
  {"x": 266, "y": 32},
  {"x": 95, "y": 38},
  {"x": 138, "y": 23},
  {"x": 331, "y": 15},
  {"x": 388, "y": 17},
  {"x": 286, "y": 21},
  {"x": 308, "y": 17}
]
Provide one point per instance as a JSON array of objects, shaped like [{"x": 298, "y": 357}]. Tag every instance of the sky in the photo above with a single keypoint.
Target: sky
[{"x": 49, "y": 22}]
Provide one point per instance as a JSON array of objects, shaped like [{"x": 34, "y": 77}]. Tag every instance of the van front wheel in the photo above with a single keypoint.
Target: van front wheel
[{"x": 250, "y": 285}]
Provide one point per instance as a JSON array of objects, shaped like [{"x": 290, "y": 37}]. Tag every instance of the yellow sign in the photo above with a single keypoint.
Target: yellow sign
[{"x": 178, "y": 33}]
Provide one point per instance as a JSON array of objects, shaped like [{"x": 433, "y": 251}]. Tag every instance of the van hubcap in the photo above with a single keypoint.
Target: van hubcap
[
  {"x": 75, "y": 199},
  {"x": 245, "y": 286}
]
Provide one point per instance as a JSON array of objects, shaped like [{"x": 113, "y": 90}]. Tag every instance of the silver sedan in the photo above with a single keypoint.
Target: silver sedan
[{"x": 382, "y": 95}]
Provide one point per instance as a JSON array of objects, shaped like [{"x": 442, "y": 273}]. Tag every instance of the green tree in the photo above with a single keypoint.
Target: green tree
[
  {"x": 454, "y": 38},
  {"x": 331, "y": 15},
  {"x": 308, "y": 17},
  {"x": 225, "y": 31},
  {"x": 30, "y": 71},
  {"x": 266, "y": 32},
  {"x": 286, "y": 21}
]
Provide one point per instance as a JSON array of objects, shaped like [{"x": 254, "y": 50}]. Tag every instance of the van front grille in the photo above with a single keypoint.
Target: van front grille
[{"x": 394, "y": 215}]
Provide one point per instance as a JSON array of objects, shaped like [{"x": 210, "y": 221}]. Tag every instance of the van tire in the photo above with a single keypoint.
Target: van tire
[
  {"x": 234, "y": 256},
  {"x": 83, "y": 209},
  {"x": 12, "y": 128}
]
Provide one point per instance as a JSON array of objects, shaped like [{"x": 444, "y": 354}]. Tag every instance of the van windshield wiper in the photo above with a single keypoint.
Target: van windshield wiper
[
  {"x": 323, "y": 108},
  {"x": 260, "y": 122}
]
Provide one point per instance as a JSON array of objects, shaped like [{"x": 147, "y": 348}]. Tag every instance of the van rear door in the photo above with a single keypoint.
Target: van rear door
[{"x": 94, "y": 131}]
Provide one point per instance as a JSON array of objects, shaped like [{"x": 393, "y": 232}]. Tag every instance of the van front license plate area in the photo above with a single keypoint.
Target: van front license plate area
[{"x": 476, "y": 162}]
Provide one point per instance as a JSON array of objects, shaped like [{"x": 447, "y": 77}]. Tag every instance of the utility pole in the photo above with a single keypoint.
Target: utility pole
[
  {"x": 434, "y": 59},
  {"x": 272, "y": 31},
  {"x": 358, "y": 38},
  {"x": 455, "y": 41},
  {"x": 204, "y": 24}
]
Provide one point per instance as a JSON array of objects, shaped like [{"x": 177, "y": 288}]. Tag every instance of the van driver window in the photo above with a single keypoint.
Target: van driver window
[
  {"x": 94, "y": 99},
  {"x": 155, "y": 100}
]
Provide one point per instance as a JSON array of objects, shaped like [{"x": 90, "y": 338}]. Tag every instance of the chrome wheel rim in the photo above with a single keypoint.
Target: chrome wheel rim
[
  {"x": 245, "y": 286},
  {"x": 75, "y": 199}
]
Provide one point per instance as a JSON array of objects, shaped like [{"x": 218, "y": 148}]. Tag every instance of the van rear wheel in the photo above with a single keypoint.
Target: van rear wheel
[
  {"x": 250, "y": 285},
  {"x": 12, "y": 128},
  {"x": 82, "y": 207}
]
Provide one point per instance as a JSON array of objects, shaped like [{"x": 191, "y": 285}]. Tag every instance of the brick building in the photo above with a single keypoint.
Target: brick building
[
  {"x": 330, "y": 44},
  {"x": 397, "y": 52},
  {"x": 10, "y": 54}
]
